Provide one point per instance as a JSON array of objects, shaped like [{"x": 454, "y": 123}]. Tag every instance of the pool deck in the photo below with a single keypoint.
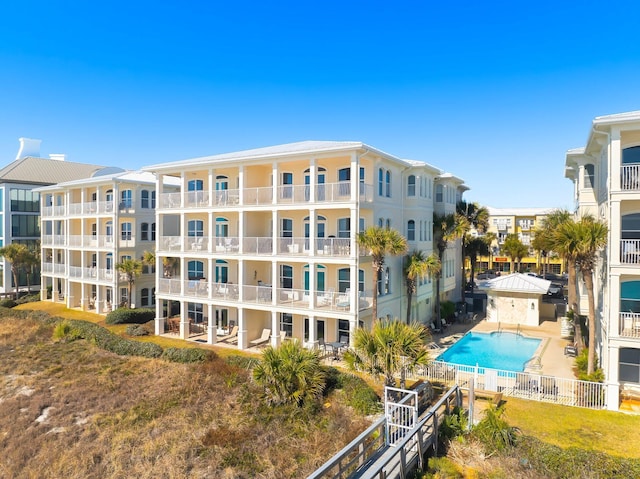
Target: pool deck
[{"x": 553, "y": 360}]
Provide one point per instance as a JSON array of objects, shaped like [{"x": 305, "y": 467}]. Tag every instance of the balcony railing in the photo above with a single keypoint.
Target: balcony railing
[
  {"x": 630, "y": 325},
  {"x": 285, "y": 194},
  {"x": 57, "y": 268},
  {"x": 630, "y": 251},
  {"x": 630, "y": 177},
  {"x": 263, "y": 294},
  {"x": 87, "y": 208}
]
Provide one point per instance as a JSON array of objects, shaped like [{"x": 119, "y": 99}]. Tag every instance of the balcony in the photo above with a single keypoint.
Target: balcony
[
  {"x": 630, "y": 325},
  {"x": 56, "y": 268},
  {"x": 630, "y": 177},
  {"x": 263, "y": 196},
  {"x": 262, "y": 295},
  {"x": 78, "y": 209},
  {"x": 630, "y": 251}
]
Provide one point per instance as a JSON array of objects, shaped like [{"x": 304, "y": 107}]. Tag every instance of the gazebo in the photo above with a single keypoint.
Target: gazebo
[{"x": 517, "y": 299}]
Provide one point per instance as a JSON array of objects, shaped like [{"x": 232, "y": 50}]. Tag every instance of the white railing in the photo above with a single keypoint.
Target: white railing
[
  {"x": 258, "y": 245},
  {"x": 196, "y": 288},
  {"x": 196, "y": 243},
  {"x": 47, "y": 211},
  {"x": 226, "y": 245},
  {"x": 75, "y": 208},
  {"x": 105, "y": 274},
  {"x": 170, "y": 200},
  {"x": 170, "y": 243},
  {"x": 197, "y": 199},
  {"x": 630, "y": 251},
  {"x": 257, "y": 196},
  {"x": 74, "y": 240},
  {"x": 294, "y": 246},
  {"x": 75, "y": 272},
  {"x": 366, "y": 193},
  {"x": 630, "y": 325},
  {"x": 630, "y": 177},
  {"x": 525, "y": 385},
  {"x": 226, "y": 197},
  {"x": 169, "y": 286},
  {"x": 333, "y": 246},
  {"x": 127, "y": 241},
  {"x": 90, "y": 208},
  {"x": 106, "y": 207},
  {"x": 47, "y": 267}
]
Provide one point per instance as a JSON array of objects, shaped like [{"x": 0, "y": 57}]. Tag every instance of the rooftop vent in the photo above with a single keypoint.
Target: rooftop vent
[{"x": 57, "y": 156}]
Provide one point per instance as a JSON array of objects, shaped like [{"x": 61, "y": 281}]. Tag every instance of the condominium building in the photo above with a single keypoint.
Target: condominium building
[
  {"x": 20, "y": 204},
  {"x": 522, "y": 222},
  {"x": 265, "y": 239},
  {"x": 605, "y": 174},
  {"x": 90, "y": 225}
]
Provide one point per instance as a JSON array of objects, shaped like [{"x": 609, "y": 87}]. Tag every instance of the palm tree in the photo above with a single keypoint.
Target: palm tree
[
  {"x": 290, "y": 374},
  {"x": 514, "y": 248},
  {"x": 416, "y": 267},
  {"x": 592, "y": 237},
  {"x": 380, "y": 242},
  {"x": 489, "y": 238},
  {"x": 389, "y": 348},
  {"x": 540, "y": 244},
  {"x": 19, "y": 256},
  {"x": 475, "y": 217},
  {"x": 476, "y": 247},
  {"x": 131, "y": 268},
  {"x": 563, "y": 246},
  {"x": 168, "y": 263},
  {"x": 446, "y": 228}
]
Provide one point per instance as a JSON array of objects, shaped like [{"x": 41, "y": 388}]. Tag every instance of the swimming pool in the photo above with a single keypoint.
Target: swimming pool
[{"x": 497, "y": 350}]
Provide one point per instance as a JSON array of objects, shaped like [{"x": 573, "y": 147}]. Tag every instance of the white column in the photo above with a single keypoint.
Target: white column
[
  {"x": 313, "y": 341},
  {"x": 612, "y": 385},
  {"x": 276, "y": 183},
  {"x": 212, "y": 327},
  {"x": 243, "y": 341},
  {"x": 616, "y": 159},
  {"x": 159, "y": 322},
  {"x": 184, "y": 320},
  {"x": 275, "y": 329},
  {"x": 355, "y": 179}
]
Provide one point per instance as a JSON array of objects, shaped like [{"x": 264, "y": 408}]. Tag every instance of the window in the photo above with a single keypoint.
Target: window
[
  {"x": 361, "y": 280},
  {"x": 411, "y": 230},
  {"x": 388, "y": 181},
  {"x": 631, "y": 155},
  {"x": 344, "y": 280},
  {"x": 222, "y": 227},
  {"x": 380, "y": 182},
  {"x": 344, "y": 174},
  {"x": 286, "y": 276},
  {"x": 195, "y": 228},
  {"x": 387, "y": 281},
  {"x": 195, "y": 312},
  {"x": 380, "y": 222},
  {"x": 388, "y": 223},
  {"x": 343, "y": 330},
  {"x": 287, "y": 185},
  {"x": 195, "y": 185},
  {"x": 144, "y": 199},
  {"x": 589, "y": 176},
  {"x": 344, "y": 227},
  {"x": 94, "y": 229},
  {"x": 23, "y": 200},
  {"x": 144, "y": 297},
  {"x": 126, "y": 198},
  {"x": 411, "y": 185},
  {"x": 361, "y": 225},
  {"x": 222, "y": 271},
  {"x": 144, "y": 232},
  {"x": 629, "y": 366},
  {"x": 153, "y": 295},
  {"x": 439, "y": 193},
  {"x": 195, "y": 269},
  {"x": 153, "y": 231},
  {"x": 287, "y": 228},
  {"x": 153, "y": 200},
  {"x": 286, "y": 323},
  {"x": 25, "y": 226},
  {"x": 124, "y": 295},
  {"x": 125, "y": 229}
]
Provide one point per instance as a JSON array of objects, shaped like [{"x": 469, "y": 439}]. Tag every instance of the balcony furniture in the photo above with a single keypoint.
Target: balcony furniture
[
  {"x": 326, "y": 298},
  {"x": 264, "y": 292},
  {"x": 173, "y": 325},
  {"x": 344, "y": 300},
  {"x": 229, "y": 337},
  {"x": 570, "y": 350},
  {"x": 264, "y": 337},
  {"x": 197, "y": 244},
  {"x": 293, "y": 248},
  {"x": 289, "y": 295}
]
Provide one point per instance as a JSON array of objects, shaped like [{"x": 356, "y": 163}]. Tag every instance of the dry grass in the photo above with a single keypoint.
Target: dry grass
[{"x": 71, "y": 410}]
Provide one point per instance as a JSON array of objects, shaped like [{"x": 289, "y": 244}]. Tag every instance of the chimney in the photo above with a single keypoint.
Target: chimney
[
  {"x": 28, "y": 147},
  {"x": 57, "y": 156}
]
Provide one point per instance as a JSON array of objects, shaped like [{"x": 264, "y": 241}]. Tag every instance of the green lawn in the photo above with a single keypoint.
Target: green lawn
[{"x": 615, "y": 433}]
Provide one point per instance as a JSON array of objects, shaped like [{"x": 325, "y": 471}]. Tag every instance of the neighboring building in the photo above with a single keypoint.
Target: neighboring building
[
  {"x": 523, "y": 222},
  {"x": 266, "y": 239},
  {"x": 90, "y": 225},
  {"x": 20, "y": 205},
  {"x": 606, "y": 177}
]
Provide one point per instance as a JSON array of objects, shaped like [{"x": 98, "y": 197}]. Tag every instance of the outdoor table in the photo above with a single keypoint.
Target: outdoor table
[{"x": 335, "y": 347}]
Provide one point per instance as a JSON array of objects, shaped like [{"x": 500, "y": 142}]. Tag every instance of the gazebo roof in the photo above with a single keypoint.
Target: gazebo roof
[{"x": 518, "y": 283}]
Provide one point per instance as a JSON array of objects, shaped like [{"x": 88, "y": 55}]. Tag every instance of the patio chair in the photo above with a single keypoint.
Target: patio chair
[
  {"x": 233, "y": 334},
  {"x": 571, "y": 350},
  {"x": 433, "y": 328},
  {"x": 262, "y": 339}
]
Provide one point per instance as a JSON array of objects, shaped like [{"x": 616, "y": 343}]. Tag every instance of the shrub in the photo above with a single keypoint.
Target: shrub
[
  {"x": 136, "y": 330},
  {"x": 453, "y": 425},
  {"x": 8, "y": 303},
  {"x": 105, "y": 339},
  {"x": 28, "y": 298},
  {"x": 244, "y": 362},
  {"x": 64, "y": 331},
  {"x": 359, "y": 395},
  {"x": 582, "y": 361},
  {"x": 130, "y": 316},
  {"x": 494, "y": 432},
  {"x": 185, "y": 355},
  {"x": 447, "y": 309}
]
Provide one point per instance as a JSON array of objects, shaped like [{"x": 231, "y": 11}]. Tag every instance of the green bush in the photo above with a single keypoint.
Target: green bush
[
  {"x": 185, "y": 355},
  {"x": 555, "y": 462},
  {"x": 136, "y": 330},
  {"x": 29, "y": 298},
  {"x": 453, "y": 425},
  {"x": 243, "y": 362},
  {"x": 447, "y": 309},
  {"x": 8, "y": 303},
  {"x": 359, "y": 395},
  {"x": 582, "y": 361},
  {"x": 494, "y": 432},
  {"x": 130, "y": 316},
  {"x": 105, "y": 339}
]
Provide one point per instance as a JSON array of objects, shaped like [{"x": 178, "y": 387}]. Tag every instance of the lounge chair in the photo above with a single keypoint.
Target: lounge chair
[
  {"x": 433, "y": 328},
  {"x": 262, "y": 339},
  {"x": 571, "y": 350},
  {"x": 233, "y": 334}
]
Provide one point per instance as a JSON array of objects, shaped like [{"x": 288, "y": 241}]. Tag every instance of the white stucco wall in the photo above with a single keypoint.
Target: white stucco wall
[{"x": 513, "y": 308}]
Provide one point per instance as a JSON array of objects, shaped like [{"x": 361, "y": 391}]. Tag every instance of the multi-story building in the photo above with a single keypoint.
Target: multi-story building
[
  {"x": 606, "y": 178},
  {"x": 266, "y": 239},
  {"x": 90, "y": 225},
  {"x": 20, "y": 204},
  {"x": 523, "y": 222}
]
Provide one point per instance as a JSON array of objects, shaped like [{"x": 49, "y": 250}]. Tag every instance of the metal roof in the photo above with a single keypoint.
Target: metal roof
[
  {"x": 518, "y": 283},
  {"x": 43, "y": 171}
]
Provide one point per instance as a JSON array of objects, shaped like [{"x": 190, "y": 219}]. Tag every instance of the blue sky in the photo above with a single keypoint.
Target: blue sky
[{"x": 493, "y": 92}]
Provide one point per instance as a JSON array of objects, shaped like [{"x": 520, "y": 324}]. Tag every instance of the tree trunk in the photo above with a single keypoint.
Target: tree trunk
[
  {"x": 573, "y": 304},
  {"x": 409, "y": 297},
  {"x": 15, "y": 280},
  {"x": 129, "y": 295},
  {"x": 374, "y": 299},
  {"x": 588, "y": 281},
  {"x": 464, "y": 270},
  {"x": 473, "y": 270}
]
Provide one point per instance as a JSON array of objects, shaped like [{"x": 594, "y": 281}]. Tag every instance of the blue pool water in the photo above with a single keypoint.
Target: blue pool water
[{"x": 497, "y": 350}]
